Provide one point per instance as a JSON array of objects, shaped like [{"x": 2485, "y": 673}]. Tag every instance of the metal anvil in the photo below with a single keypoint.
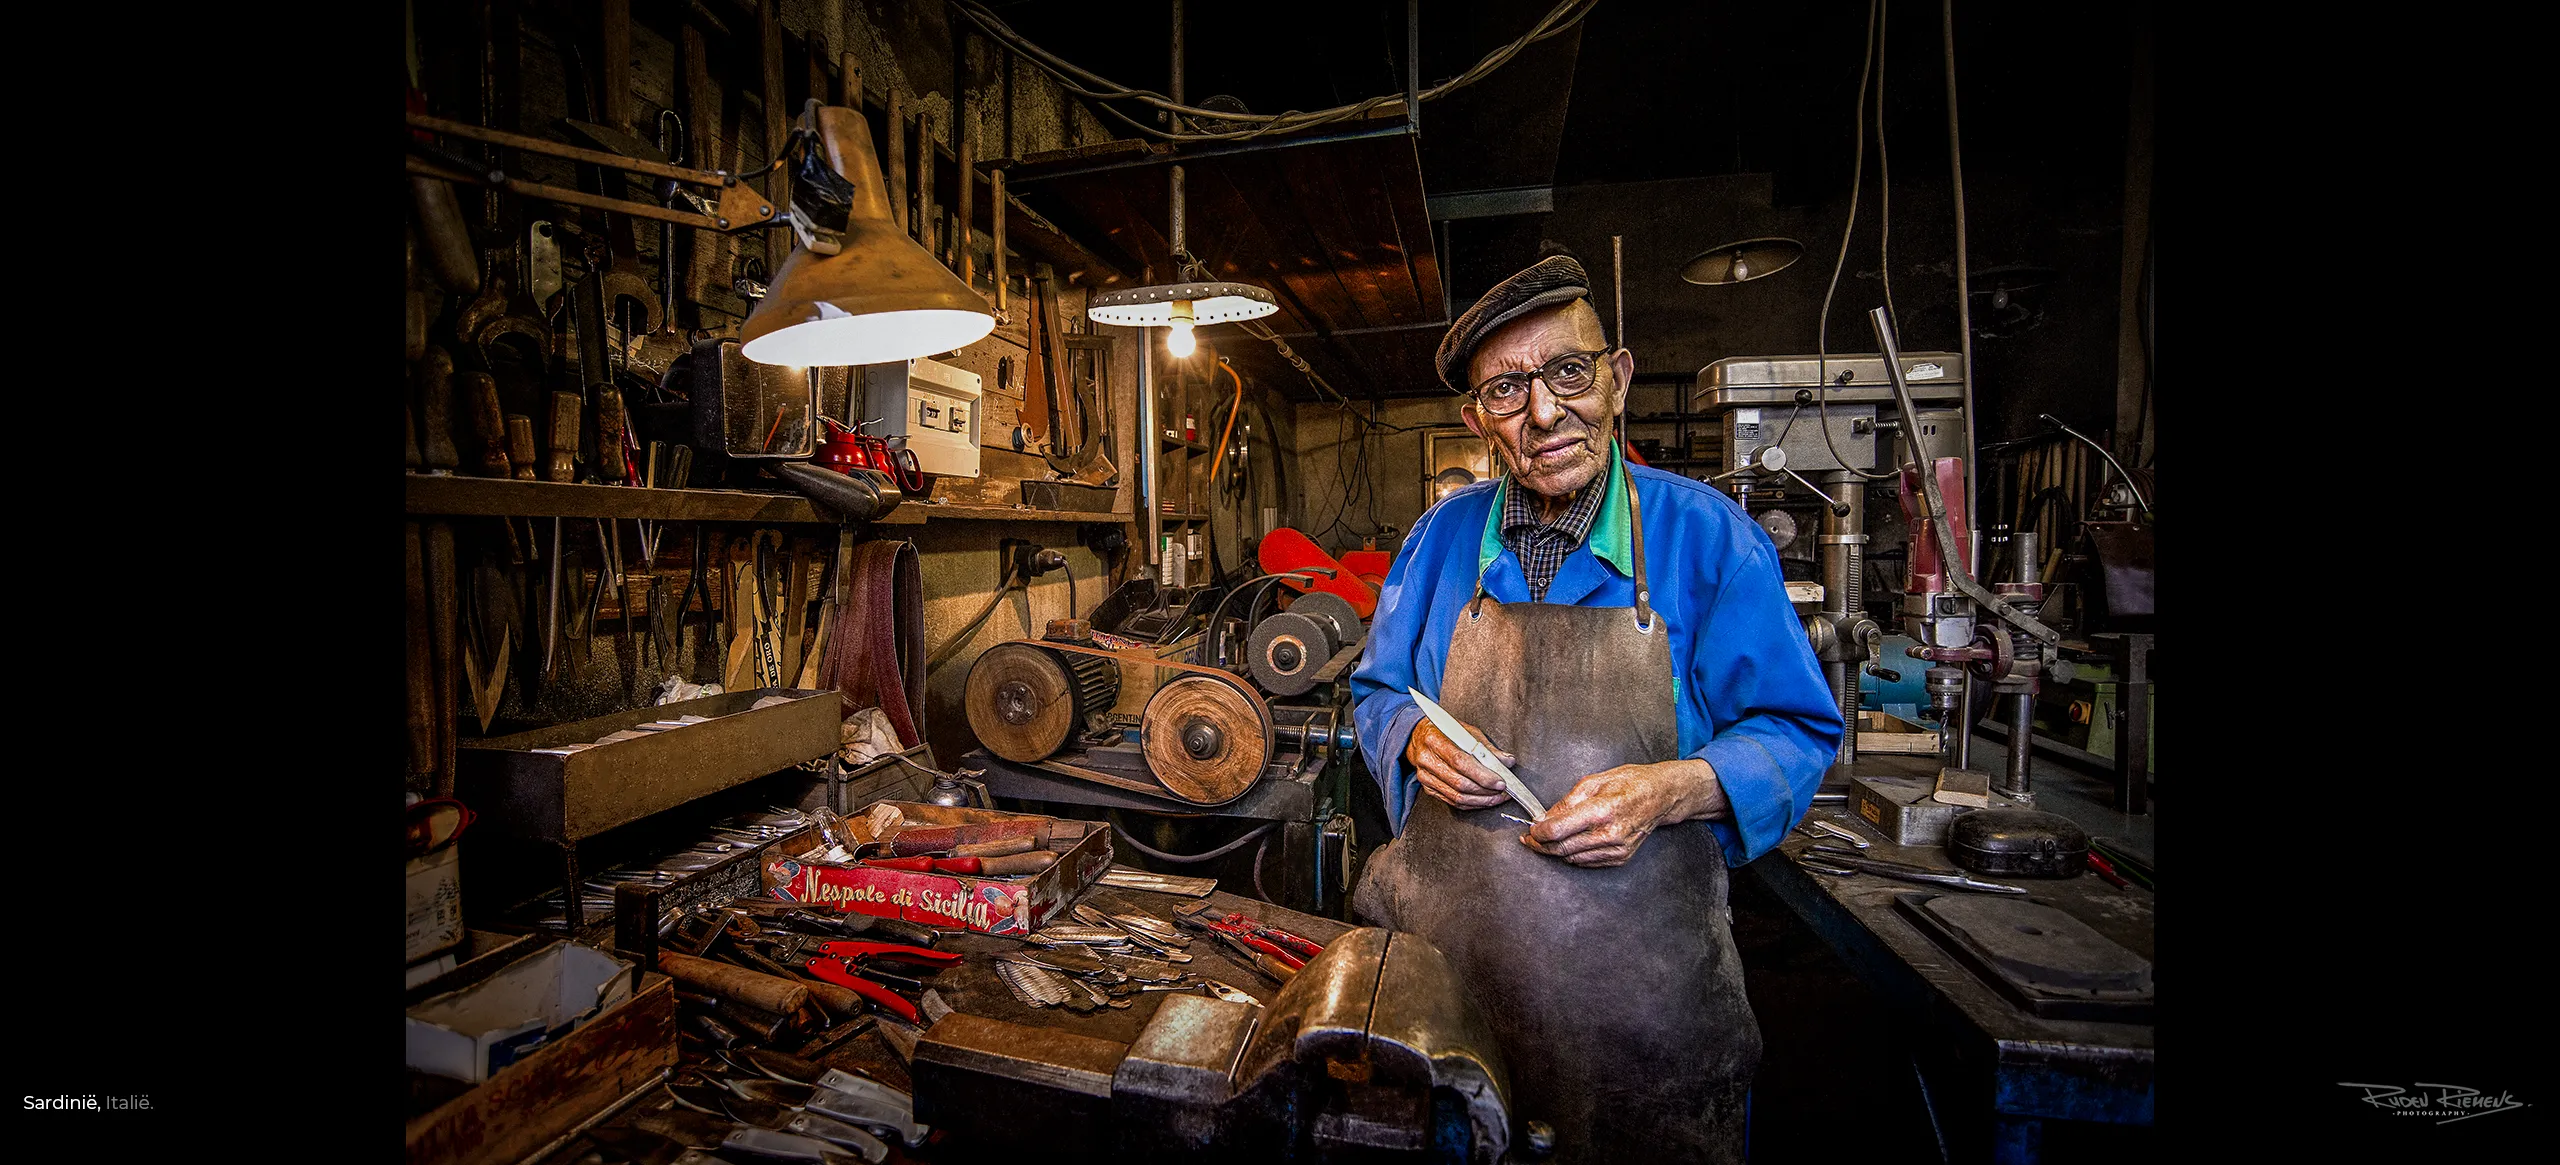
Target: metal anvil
[{"x": 1373, "y": 1047}]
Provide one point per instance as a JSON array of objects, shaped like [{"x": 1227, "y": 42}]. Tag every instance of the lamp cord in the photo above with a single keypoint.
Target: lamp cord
[{"x": 1848, "y": 231}]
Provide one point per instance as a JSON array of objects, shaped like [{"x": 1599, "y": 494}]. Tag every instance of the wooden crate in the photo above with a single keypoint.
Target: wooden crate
[{"x": 531, "y": 1102}]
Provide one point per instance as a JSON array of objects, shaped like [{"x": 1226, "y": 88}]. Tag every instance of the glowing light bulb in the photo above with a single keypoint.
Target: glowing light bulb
[{"x": 1179, "y": 341}]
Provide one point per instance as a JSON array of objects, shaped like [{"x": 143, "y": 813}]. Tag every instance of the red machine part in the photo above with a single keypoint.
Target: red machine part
[
  {"x": 1288, "y": 549},
  {"x": 1927, "y": 573}
]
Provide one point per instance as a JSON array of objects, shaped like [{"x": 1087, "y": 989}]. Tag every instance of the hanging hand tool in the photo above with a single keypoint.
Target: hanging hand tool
[
  {"x": 551, "y": 607},
  {"x": 700, "y": 584},
  {"x": 420, "y": 659},
  {"x": 769, "y": 550},
  {"x": 1835, "y": 855}
]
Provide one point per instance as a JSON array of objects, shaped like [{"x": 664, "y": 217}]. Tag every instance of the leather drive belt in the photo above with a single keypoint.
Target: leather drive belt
[
  {"x": 878, "y": 640},
  {"x": 1253, "y": 699}
]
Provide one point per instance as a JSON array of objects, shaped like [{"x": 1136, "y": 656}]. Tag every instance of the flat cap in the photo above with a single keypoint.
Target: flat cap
[{"x": 1550, "y": 281}]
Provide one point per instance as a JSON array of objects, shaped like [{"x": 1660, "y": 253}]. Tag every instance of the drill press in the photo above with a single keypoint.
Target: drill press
[
  {"x": 1814, "y": 422},
  {"x": 1964, "y": 631}
]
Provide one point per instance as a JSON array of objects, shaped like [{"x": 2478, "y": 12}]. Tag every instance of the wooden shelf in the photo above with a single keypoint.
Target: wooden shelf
[
  {"x": 1179, "y": 443},
  {"x": 917, "y": 514},
  {"x": 508, "y": 497}
]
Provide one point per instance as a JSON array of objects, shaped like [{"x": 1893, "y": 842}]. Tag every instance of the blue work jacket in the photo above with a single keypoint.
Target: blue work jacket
[{"x": 1750, "y": 695}]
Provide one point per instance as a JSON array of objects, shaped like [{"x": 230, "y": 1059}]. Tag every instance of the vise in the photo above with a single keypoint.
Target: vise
[{"x": 1371, "y": 1052}]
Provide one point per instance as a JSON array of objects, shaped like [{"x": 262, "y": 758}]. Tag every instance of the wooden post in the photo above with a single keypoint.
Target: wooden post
[
  {"x": 928, "y": 226},
  {"x": 777, "y": 128},
  {"x": 615, "y": 85},
  {"x": 851, "y": 98},
  {"x": 963, "y": 231},
  {"x": 995, "y": 206},
  {"x": 709, "y": 268},
  {"x": 897, "y": 176}
]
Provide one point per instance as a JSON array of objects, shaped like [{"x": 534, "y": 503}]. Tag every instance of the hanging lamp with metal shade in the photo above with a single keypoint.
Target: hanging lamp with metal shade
[
  {"x": 1742, "y": 262},
  {"x": 856, "y": 289},
  {"x": 1181, "y": 307}
]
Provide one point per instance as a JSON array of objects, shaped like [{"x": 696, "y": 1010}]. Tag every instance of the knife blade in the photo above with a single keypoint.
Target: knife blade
[{"x": 1457, "y": 733}]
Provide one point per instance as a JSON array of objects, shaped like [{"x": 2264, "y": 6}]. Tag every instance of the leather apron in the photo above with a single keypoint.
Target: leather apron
[{"x": 1615, "y": 994}]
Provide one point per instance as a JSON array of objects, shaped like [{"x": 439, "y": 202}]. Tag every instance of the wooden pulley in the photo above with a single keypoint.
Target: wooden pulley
[
  {"x": 1026, "y": 702},
  {"x": 1287, "y": 650},
  {"x": 1207, "y": 739}
]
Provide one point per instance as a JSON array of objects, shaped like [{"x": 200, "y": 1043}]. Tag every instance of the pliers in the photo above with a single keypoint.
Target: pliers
[
  {"x": 1292, "y": 950},
  {"x": 834, "y": 961}
]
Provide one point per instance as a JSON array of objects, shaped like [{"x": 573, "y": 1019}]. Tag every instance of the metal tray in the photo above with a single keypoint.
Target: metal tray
[{"x": 568, "y": 797}]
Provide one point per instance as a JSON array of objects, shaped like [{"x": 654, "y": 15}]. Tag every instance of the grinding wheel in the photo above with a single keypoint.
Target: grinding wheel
[
  {"x": 1327, "y": 607},
  {"x": 1288, "y": 649},
  {"x": 1026, "y": 702},
  {"x": 1205, "y": 739}
]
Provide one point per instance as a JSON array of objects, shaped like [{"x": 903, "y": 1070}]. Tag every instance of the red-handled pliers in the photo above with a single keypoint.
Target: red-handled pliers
[
  {"x": 833, "y": 961},
  {"x": 1270, "y": 940}
]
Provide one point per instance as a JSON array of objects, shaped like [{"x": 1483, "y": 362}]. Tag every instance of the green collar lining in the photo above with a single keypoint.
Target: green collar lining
[{"x": 1608, "y": 539}]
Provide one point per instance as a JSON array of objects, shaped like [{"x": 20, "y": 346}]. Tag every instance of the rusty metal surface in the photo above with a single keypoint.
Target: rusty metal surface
[{"x": 557, "y": 797}]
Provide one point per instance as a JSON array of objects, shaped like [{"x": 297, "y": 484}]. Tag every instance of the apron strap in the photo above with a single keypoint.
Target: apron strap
[{"x": 1635, "y": 536}]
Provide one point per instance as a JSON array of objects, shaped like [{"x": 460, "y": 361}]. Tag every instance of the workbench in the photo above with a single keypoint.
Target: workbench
[
  {"x": 1992, "y": 1072},
  {"x": 972, "y": 988}
]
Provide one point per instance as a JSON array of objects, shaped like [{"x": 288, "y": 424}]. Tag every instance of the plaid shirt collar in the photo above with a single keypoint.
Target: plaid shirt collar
[{"x": 1542, "y": 545}]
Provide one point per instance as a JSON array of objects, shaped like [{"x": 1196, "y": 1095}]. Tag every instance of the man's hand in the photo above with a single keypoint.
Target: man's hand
[
  {"x": 1608, "y": 815},
  {"x": 1450, "y": 774}
]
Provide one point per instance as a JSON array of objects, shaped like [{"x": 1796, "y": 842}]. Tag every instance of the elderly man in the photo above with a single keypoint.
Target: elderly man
[{"x": 1621, "y": 637}]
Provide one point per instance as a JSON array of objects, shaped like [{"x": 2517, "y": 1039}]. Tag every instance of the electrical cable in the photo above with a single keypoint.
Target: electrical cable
[
  {"x": 1085, "y": 83},
  {"x": 950, "y": 647},
  {"x": 1884, "y": 168},
  {"x": 1848, "y": 231},
  {"x": 1260, "y": 852},
  {"x": 1193, "y": 859}
]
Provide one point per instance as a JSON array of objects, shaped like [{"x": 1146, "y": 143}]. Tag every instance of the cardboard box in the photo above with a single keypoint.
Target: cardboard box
[
  {"x": 435, "y": 903},
  {"x": 1009, "y": 906},
  {"x": 473, "y": 1033}
]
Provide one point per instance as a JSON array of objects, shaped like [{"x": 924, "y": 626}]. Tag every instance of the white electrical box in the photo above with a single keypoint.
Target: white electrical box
[{"x": 929, "y": 407}]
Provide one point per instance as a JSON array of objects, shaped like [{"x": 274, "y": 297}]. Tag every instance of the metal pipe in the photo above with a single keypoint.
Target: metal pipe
[
  {"x": 1197, "y": 153},
  {"x": 1843, "y": 570},
  {"x": 1175, "y": 88},
  {"x": 1150, "y": 443},
  {"x": 1412, "y": 65},
  {"x": 1964, "y": 284},
  {"x": 2022, "y": 715}
]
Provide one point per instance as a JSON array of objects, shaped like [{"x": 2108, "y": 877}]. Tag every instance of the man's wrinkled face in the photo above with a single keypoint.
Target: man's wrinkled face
[{"x": 1553, "y": 447}]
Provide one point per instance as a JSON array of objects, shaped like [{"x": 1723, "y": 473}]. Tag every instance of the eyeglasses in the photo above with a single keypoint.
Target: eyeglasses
[{"x": 1567, "y": 376}]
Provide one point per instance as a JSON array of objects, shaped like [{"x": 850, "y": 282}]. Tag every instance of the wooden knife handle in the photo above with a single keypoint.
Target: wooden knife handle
[
  {"x": 488, "y": 423},
  {"x": 562, "y": 464},
  {"x": 738, "y": 984},
  {"x": 1022, "y": 863},
  {"x": 609, "y": 463},
  {"x": 520, "y": 445},
  {"x": 434, "y": 384},
  {"x": 997, "y": 848}
]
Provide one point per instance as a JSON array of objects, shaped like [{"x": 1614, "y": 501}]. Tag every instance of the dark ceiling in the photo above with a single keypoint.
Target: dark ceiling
[{"x": 1638, "y": 92}]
